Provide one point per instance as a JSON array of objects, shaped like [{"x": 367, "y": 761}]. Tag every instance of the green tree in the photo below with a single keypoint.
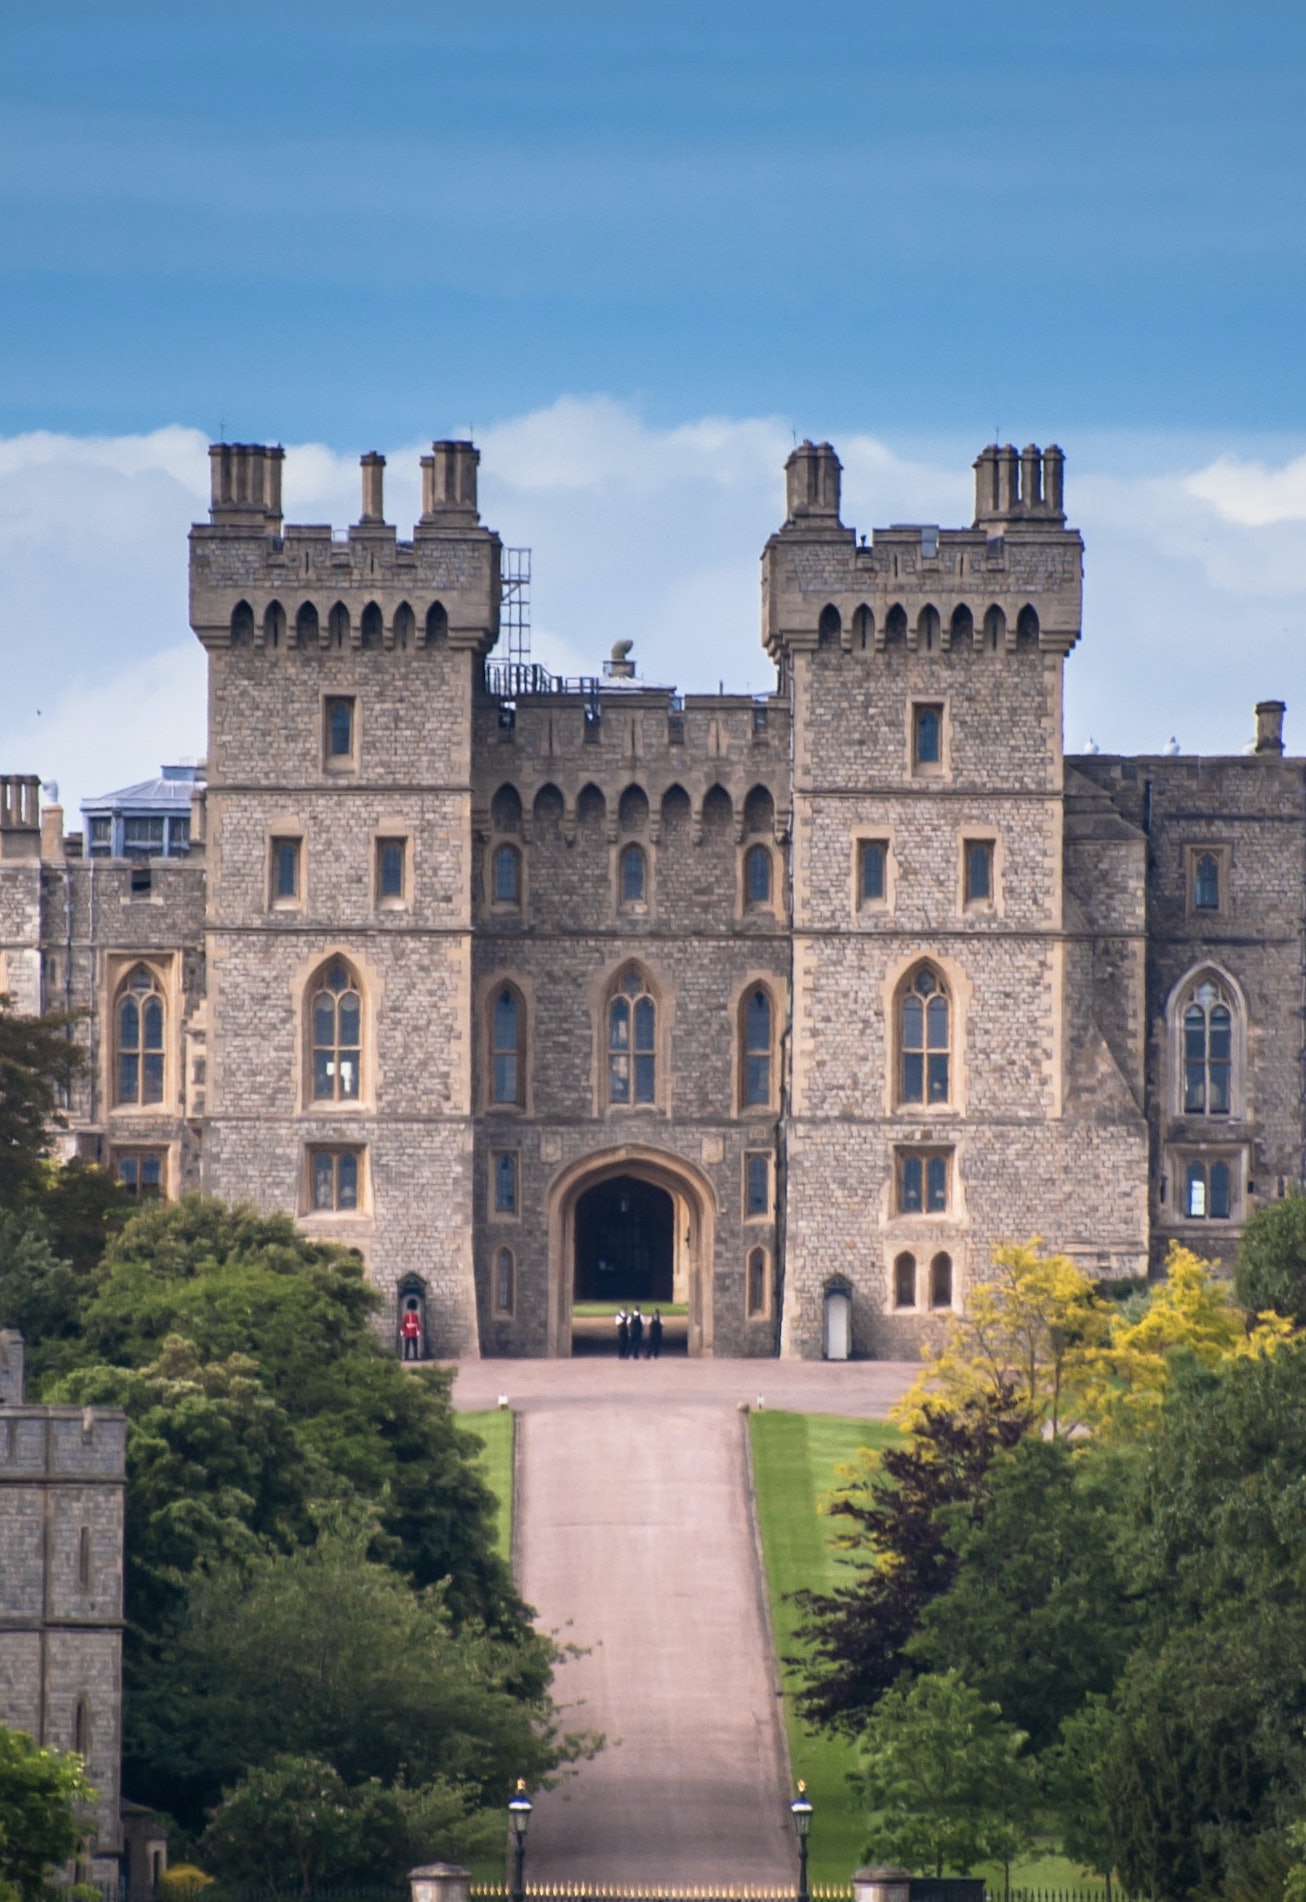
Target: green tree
[
  {"x": 296, "y": 1823},
  {"x": 323, "y": 1652},
  {"x": 1271, "y": 1271},
  {"x": 38, "y": 1063},
  {"x": 854, "y": 1639},
  {"x": 41, "y": 1794},
  {"x": 1073, "y": 1773},
  {"x": 944, "y": 1778},
  {"x": 1038, "y": 1615}
]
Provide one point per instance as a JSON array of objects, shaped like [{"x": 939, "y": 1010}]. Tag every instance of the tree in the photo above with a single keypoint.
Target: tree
[
  {"x": 1037, "y": 1329},
  {"x": 1037, "y": 1616},
  {"x": 854, "y": 1639},
  {"x": 324, "y": 1653},
  {"x": 296, "y": 1823},
  {"x": 41, "y": 1793},
  {"x": 944, "y": 1778},
  {"x": 1271, "y": 1271},
  {"x": 1073, "y": 1773},
  {"x": 38, "y": 1063}
]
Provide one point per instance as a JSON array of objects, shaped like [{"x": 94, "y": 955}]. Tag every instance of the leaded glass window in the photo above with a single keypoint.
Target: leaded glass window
[
  {"x": 874, "y": 853},
  {"x": 1207, "y": 1190},
  {"x": 925, "y": 1032},
  {"x": 757, "y": 875},
  {"x": 140, "y": 1039},
  {"x": 507, "y": 1026},
  {"x": 1208, "y": 1052},
  {"x": 507, "y": 875},
  {"x": 1206, "y": 882},
  {"x": 757, "y": 1048},
  {"x": 632, "y": 1042},
  {"x": 334, "y": 1179},
  {"x": 337, "y": 1023},
  {"x": 632, "y": 874}
]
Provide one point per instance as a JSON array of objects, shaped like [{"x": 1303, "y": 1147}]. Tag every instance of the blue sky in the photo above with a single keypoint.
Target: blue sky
[{"x": 583, "y": 231}]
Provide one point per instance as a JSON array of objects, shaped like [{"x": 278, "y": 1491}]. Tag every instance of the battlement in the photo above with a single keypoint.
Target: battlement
[
  {"x": 256, "y": 584},
  {"x": 1011, "y": 582}
]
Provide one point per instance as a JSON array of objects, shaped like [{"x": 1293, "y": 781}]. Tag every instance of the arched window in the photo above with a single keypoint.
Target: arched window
[
  {"x": 242, "y": 624},
  {"x": 757, "y": 875},
  {"x": 941, "y": 1281},
  {"x": 904, "y": 1281},
  {"x": 632, "y": 874},
  {"x": 1208, "y": 1051},
  {"x": 371, "y": 628},
  {"x": 505, "y": 1283},
  {"x": 1206, "y": 882},
  {"x": 338, "y": 625},
  {"x": 1027, "y": 627},
  {"x": 895, "y": 625},
  {"x": 831, "y": 626},
  {"x": 404, "y": 625},
  {"x": 757, "y": 1031},
  {"x": 437, "y": 624},
  {"x": 507, "y": 875},
  {"x": 336, "y": 1016},
  {"x": 927, "y": 629},
  {"x": 925, "y": 1040},
  {"x": 507, "y": 1046},
  {"x": 995, "y": 628},
  {"x": 140, "y": 1020},
  {"x": 307, "y": 631},
  {"x": 758, "y": 1284},
  {"x": 632, "y": 1042},
  {"x": 962, "y": 626},
  {"x": 274, "y": 624}
]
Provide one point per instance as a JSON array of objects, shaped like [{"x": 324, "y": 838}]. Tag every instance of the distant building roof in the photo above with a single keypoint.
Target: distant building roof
[{"x": 171, "y": 791}]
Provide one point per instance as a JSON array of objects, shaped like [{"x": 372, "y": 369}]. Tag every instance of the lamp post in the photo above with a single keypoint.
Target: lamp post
[
  {"x": 519, "y": 1815},
  {"x": 802, "y": 1814}
]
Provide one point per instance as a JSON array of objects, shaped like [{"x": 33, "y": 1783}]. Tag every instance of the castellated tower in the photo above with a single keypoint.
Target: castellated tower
[
  {"x": 338, "y": 909},
  {"x": 968, "y": 1018}
]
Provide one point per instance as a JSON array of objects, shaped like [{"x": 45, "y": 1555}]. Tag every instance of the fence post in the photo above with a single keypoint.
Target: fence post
[
  {"x": 879, "y": 1885},
  {"x": 442, "y": 1882}
]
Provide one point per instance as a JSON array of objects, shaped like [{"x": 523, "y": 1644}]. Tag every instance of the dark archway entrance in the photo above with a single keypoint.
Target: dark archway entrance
[{"x": 625, "y": 1242}]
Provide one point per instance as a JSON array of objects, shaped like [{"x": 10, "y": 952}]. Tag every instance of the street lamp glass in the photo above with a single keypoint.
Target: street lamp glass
[
  {"x": 802, "y": 1812},
  {"x": 519, "y": 1810}
]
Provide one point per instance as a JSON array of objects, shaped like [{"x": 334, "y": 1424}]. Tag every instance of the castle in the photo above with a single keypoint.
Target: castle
[{"x": 541, "y": 992}]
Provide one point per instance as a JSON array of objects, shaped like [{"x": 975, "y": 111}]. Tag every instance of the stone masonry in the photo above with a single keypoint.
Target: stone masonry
[{"x": 1001, "y": 993}]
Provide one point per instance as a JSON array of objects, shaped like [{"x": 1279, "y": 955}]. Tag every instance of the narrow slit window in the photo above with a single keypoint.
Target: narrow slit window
[
  {"x": 904, "y": 1281},
  {"x": 285, "y": 870},
  {"x": 941, "y": 1281},
  {"x": 507, "y": 875},
  {"x": 390, "y": 856},
  {"x": 979, "y": 871},
  {"x": 505, "y": 1183},
  {"x": 874, "y": 856},
  {"x": 757, "y": 1283},
  {"x": 757, "y": 1048},
  {"x": 757, "y": 876},
  {"x": 1206, "y": 882},
  {"x": 757, "y": 1185},
  {"x": 632, "y": 875},
  {"x": 507, "y": 1025},
  {"x": 505, "y": 1282},
  {"x": 339, "y": 729},
  {"x": 927, "y": 735}
]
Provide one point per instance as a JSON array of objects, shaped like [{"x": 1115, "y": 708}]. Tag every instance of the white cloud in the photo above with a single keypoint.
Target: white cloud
[{"x": 1194, "y": 573}]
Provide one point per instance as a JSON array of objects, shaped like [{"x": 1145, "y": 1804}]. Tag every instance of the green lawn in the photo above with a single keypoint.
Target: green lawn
[
  {"x": 795, "y": 1457},
  {"x": 497, "y": 1433},
  {"x": 607, "y": 1310}
]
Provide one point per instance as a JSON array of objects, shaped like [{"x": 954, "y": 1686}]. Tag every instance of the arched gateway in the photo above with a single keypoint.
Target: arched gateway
[{"x": 631, "y": 1224}]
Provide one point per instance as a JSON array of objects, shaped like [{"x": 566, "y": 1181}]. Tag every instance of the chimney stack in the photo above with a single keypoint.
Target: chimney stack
[
  {"x": 812, "y": 483},
  {"x": 449, "y": 484},
  {"x": 245, "y": 486},
  {"x": 373, "y": 468},
  {"x": 1269, "y": 726}
]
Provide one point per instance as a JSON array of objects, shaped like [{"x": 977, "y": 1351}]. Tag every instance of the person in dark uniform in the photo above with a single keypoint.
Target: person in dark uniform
[
  {"x": 655, "y": 1335},
  {"x": 636, "y": 1333},
  {"x": 623, "y": 1334}
]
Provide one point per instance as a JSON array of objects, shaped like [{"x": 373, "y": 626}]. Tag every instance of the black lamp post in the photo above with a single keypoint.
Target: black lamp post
[
  {"x": 519, "y": 1815},
  {"x": 802, "y": 1814}
]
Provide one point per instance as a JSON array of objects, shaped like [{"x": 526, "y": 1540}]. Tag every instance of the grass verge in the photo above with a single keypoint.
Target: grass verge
[{"x": 497, "y": 1432}]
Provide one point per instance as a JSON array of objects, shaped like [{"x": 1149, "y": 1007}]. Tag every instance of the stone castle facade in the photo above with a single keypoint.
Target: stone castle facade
[{"x": 788, "y": 1007}]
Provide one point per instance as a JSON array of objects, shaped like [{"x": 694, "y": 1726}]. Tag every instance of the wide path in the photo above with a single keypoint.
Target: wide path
[{"x": 635, "y": 1538}]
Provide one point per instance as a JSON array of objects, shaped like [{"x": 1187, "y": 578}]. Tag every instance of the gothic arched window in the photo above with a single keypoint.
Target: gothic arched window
[
  {"x": 1207, "y": 1083},
  {"x": 336, "y": 1018},
  {"x": 924, "y": 1039},
  {"x": 757, "y": 1026},
  {"x": 507, "y": 1046},
  {"x": 140, "y": 1025},
  {"x": 904, "y": 1281},
  {"x": 757, "y": 875},
  {"x": 941, "y": 1281},
  {"x": 632, "y": 874},
  {"x": 632, "y": 1042}
]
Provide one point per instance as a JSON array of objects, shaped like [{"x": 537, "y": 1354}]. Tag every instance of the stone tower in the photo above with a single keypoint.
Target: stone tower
[
  {"x": 62, "y": 1474},
  {"x": 940, "y": 1036},
  {"x": 338, "y": 908}
]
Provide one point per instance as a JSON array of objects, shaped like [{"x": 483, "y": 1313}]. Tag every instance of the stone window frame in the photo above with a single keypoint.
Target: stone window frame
[
  {"x": 504, "y": 907},
  {"x": 308, "y": 1204},
  {"x": 317, "y": 984},
  {"x": 655, "y": 991},
  {"x": 162, "y": 970},
  {"x": 757, "y": 1258},
  {"x": 1174, "y": 1186},
  {"x": 141, "y": 1152},
  {"x": 991, "y": 905},
  {"x": 500, "y": 1309},
  {"x": 904, "y": 1262},
  {"x": 641, "y": 907},
  {"x": 903, "y": 988},
  {"x": 924, "y": 1153},
  {"x": 765, "y": 1215},
  {"x": 336, "y": 764},
  {"x": 385, "y": 835},
  {"x": 882, "y": 836},
  {"x": 934, "y": 1305},
  {"x": 758, "y": 907},
  {"x": 492, "y": 991},
  {"x": 288, "y": 833},
  {"x": 304, "y": 985},
  {"x": 1207, "y": 971},
  {"x": 503, "y": 1152},
  {"x": 1194, "y": 851},
  {"x": 929, "y": 769},
  {"x": 757, "y": 981}
]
